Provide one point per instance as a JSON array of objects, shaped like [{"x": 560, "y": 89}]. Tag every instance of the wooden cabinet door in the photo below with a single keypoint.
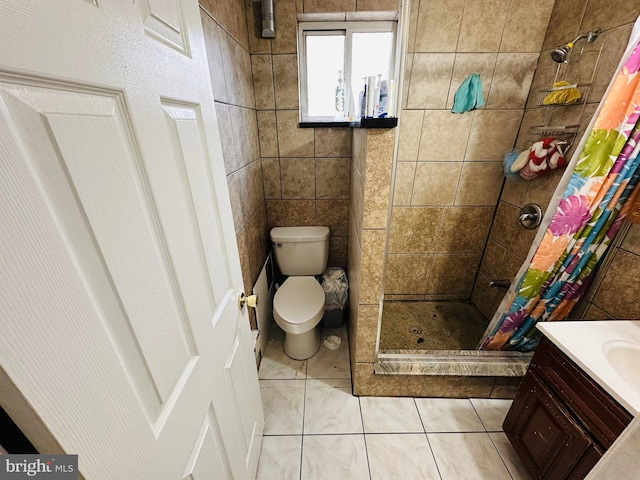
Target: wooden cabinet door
[{"x": 549, "y": 442}]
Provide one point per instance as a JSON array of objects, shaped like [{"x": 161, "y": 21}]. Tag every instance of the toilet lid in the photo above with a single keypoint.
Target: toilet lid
[{"x": 299, "y": 300}]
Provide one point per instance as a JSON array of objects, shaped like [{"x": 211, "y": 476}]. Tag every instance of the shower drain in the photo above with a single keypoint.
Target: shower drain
[{"x": 416, "y": 330}]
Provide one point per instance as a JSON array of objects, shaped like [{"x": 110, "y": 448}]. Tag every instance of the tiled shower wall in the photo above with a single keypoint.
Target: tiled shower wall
[
  {"x": 449, "y": 169},
  {"x": 370, "y": 193},
  {"x": 509, "y": 243}
]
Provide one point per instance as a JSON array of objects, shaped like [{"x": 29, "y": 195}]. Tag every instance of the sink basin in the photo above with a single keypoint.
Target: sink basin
[{"x": 624, "y": 358}]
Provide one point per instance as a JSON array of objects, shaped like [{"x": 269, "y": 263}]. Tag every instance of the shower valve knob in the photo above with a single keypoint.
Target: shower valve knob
[{"x": 530, "y": 216}]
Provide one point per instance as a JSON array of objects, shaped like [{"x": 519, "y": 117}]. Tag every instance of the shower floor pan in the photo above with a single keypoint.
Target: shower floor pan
[{"x": 440, "y": 338}]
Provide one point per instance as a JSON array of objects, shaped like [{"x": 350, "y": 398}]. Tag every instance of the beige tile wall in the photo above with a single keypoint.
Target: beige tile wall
[
  {"x": 278, "y": 174},
  {"x": 306, "y": 171},
  {"x": 449, "y": 172},
  {"x": 227, "y": 44},
  {"x": 369, "y": 196},
  {"x": 508, "y": 244}
]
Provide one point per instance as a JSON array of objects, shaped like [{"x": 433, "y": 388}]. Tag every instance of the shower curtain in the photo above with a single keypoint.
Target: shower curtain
[{"x": 587, "y": 217}]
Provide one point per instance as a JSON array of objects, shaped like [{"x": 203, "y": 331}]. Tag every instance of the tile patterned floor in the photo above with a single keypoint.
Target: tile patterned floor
[{"x": 315, "y": 428}]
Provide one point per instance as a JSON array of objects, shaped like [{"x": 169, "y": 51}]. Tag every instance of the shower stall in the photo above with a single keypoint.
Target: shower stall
[{"x": 434, "y": 224}]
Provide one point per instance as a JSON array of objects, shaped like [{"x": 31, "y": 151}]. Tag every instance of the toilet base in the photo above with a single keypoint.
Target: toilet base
[{"x": 301, "y": 346}]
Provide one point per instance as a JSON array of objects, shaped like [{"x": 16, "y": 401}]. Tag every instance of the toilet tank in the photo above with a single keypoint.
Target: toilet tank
[{"x": 301, "y": 250}]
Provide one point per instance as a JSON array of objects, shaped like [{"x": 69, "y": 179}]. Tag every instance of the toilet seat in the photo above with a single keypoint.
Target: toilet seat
[{"x": 298, "y": 304}]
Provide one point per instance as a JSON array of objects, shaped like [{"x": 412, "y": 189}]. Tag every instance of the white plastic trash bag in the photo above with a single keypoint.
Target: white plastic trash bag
[
  {"x": 335, "y": 285},
  {"x": 332, "y": 342}
]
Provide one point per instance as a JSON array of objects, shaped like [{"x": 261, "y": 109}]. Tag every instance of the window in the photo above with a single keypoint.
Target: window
[{"x": 358, "y": 49}]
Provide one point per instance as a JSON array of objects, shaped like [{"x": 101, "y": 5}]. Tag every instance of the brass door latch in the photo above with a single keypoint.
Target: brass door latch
[{"x": 250, "y": 300}]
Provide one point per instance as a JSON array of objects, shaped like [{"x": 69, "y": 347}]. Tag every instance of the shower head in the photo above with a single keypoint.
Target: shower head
[{"x": 559, "y": 55}]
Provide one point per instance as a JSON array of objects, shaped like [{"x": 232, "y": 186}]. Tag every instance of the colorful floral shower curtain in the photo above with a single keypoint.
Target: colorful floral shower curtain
[{"x": 587, "y": 219}]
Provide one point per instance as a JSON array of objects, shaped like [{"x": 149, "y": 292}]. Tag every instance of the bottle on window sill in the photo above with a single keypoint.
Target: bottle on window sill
[{"x": 340, "y": 98}]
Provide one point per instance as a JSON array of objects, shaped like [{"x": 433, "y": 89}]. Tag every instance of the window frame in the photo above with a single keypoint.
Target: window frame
[{"x": 348, "y": 28}]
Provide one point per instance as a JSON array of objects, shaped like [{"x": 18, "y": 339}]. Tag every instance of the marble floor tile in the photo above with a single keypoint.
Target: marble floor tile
[
  {"x": 331, "y": 382},
  {"x": 467, "y": 456},
  {"x": 330, "y": 363},
  {"x": 509, "y": 456},
  {"x": 280, "y": 458},
  {"x": 331, "y": 409},
  {"x": 334, "y": 457},
  {"x": 276, "y": 364},
  {"x": 390, "y": 415},
  {"x": 283, "y": 404},
  {"x": 492, "y": 412},
  {"x": 314, "y": 426},
  {"x": 448, "y": 415},
  {"x": 401, "y": 456}
]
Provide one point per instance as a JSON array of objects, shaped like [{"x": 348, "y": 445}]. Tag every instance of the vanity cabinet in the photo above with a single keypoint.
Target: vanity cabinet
[{"x": 561, "y": 422}]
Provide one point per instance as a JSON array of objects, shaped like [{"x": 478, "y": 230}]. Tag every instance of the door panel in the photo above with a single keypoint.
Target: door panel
[
  {"x": 164, "y": 21},
  {"x": 184, "y": 126},
  {"x": 93, "y": 149},
  {"x": 207, "y": 459}
]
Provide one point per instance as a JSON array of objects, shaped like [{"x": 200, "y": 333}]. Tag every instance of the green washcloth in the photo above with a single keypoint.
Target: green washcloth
[{"x": 469, "y": 95}]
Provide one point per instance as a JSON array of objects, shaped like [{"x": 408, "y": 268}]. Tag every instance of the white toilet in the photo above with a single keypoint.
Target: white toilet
[{"x": 298, "y": 306}]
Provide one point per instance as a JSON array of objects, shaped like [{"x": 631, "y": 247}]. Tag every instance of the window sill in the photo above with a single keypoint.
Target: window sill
[{"x": 390, "y": 122}]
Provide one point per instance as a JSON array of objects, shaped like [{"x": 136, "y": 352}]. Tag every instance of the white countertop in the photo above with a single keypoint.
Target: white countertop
[{"x": 583, "y": 342}]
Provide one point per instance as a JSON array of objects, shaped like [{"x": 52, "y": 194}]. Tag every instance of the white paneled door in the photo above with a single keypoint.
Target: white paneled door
[{"x": 119, "y": 271}]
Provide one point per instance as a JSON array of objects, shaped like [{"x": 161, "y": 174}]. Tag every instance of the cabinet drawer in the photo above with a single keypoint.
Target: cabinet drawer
[{"x": 599, "y": 413}]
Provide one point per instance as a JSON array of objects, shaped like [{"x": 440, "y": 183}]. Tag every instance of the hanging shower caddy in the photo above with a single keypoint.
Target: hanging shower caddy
[{"x": 575, "y": 67}]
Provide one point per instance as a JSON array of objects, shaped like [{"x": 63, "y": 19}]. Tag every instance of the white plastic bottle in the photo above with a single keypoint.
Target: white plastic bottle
[
  {"x": 340, "y": 96},
  {"x": 391, "y": 105},
  {"x": 376, "y": 97},
  {"x": 362, "y": 101},
  {"x": 384, "y": 100},
  {"x": 371, "y": 97}
]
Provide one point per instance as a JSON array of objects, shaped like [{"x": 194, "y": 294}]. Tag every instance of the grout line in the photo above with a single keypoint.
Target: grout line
[
  {"x": 301, "y": 456},
  {"x": 364, "y": 438},
  {"x": 415, "y": 404},
  {"x": 304, "y": 406},
  {"x": 501, "y": 458},
  {"x": 366, "y": 453},
  {"x": 504, "y": 26},
  {"x": 334, "y": 434},
  {"x": 433, "y": 455},
  {"x": 481, "y": 421},
  {"x": 414, "y": 433},
  {"x": 428, "y": 441}
]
